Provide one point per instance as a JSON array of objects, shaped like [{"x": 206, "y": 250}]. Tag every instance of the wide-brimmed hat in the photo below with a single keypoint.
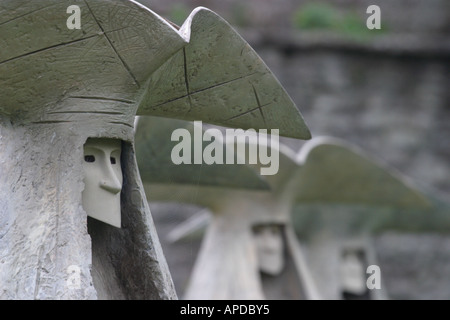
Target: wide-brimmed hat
[{"x": 127, "y": 60}]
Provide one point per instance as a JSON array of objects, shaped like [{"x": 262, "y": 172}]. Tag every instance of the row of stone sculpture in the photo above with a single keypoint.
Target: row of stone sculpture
[
  {"x": 330, "y": 195},
  {"x": 61, "y": 87},
  {"x": 67, "y": 143}
]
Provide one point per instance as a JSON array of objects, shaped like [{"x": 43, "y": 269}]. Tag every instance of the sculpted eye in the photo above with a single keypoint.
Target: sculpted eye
[
  {"x": 113, "y": 160},
  {"x": 89, "y": 158}
]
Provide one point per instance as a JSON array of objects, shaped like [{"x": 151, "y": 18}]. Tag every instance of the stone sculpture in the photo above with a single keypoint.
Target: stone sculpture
[
  {"x": 334, "y": 230},
  {"x": 61, "y": 87},
  {"x": 239, "y": 203},
  {"x": 326, "y": 171},
  {"x": 269, "y": 248}
]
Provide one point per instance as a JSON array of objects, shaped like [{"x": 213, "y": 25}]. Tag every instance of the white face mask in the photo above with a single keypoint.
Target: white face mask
[
  {"x": 102, "y": 180},
  {"x": 269, "y": 244},
  {"x": 352, "y": 273}
]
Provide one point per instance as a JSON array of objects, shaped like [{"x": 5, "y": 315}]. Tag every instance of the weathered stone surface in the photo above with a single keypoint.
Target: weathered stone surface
[
  {"x": 221, "y": 80},
  {"x": 52, "y": 102},
  {"x": 45, "y": 231},
  {"x": 60, "y": 87}
]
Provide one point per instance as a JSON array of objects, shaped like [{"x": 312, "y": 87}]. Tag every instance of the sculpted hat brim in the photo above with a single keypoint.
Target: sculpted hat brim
[
  {"x": 336, "y": 172},
  {"x": 119, "y": 64},
  {"x": 218, "y": 78}
]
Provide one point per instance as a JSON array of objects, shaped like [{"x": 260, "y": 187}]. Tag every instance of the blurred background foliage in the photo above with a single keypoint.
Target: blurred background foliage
[{"x": 325, "y": 16}]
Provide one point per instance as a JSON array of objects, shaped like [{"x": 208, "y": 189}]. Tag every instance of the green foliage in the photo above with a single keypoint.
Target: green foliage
[
  {"x": 322, "y": 16},
  {"x": 353, "y": 25},
  {"x": 315, "y": 16}
]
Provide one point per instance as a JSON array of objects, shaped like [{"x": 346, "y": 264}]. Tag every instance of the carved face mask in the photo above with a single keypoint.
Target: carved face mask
[
  {"x": 103, "y": 180},
  {"x": 269, "y": 244},
  {"x": 352, "y": 273}
]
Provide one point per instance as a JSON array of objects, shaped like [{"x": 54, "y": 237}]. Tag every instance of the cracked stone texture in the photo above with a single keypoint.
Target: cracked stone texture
[
  {"x": 53, "y": 98},
  {"x": 220, "y": 79},
  {"x": 60, "y": 87}
]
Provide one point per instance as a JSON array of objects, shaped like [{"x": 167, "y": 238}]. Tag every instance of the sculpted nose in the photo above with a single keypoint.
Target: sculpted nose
[
  {"x": 110, "y": 182},
  {"x": 111, "y": 186}
]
